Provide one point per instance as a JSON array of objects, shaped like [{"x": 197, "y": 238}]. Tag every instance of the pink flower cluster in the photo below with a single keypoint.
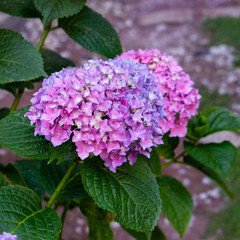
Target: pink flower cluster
[
  {"x": 181, "y": 99},
  {"x": 112, "y": 108},
  {"x": 7, "y": 236}
]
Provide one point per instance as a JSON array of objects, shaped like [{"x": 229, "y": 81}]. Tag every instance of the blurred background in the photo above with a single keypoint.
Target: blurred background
[{"x": 204, "y": 36}]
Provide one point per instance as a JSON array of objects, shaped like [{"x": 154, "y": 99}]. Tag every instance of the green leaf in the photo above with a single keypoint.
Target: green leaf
[
  {"x": 153, "y": 162},
  {"x": 215, "y": 119},
  {"x": 19, "y": 59},
  {"x": 65, "y": 152},
  {"x": 139, "y": 235},
  {"x": 4, "y": 112},
  {"x": 132, "y": 192},
  {"x": 217, "y": 156},
  {"x": 177, "y": 203},
  {"x": 210, "y": 173},
  {"x": 166, "y": 150},
  {"x": 19, "y": 8},
  {"x": 13, "y": 86},
  {"x": 220, "y": 119},
  {"x": 197, "y": 126},
  {"x": 93, "y": 32},
  {"x": 52, "y": 174},
  {"x": 98, "y": 222},
  {"x": 53, "y": 62},
  {"x": 3, "y": 181},
  {"x": 54, "y": 9},
  {"x": 18, "y": 135},
  {"x": 13, "y": 174},
  {"x": 157, "y": 234},
  {"x": 21, "y": 215},
  {"x": 30, "y": 170}
]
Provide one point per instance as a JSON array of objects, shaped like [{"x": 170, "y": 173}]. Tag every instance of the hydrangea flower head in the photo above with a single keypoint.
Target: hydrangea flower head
[
  {"x": 111, "y": 108},
  {"x": 181, "y": 99},
  {"x": 7, "y": 236}
]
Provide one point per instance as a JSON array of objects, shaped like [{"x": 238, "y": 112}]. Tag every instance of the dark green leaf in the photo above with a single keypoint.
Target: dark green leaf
[
  {"x": 17, "y": 134},
  {"x": 30, "y": 170},
  {"x": 153, "y": 162},
  {"x": 19, "y": 8},
  {"x": 220, "y": 119},
  {"x": 210, "y": 173},
  {"x": 166, "y": 150},
  {"x": 54, "y": 9},
  {"x": 12, "y": 174},
  {"x": 93, "y": 32},
  {"x": 52, "y": 174},
  {"x": 217, "y": 156},
  {"x": 12, "y": 87},
  {"x": 139, "y": 235},
  {"x": 157, "y": 234},
  {"x": 132, "y": 192},
  {"x": 21, "y": 215},
  {"x": 4, "y": 112},
  {"x": 65, "y": 152},
  {"x": 19, "y": 59},
  {"x": 3, "y": 181},
  {"x": 53, "y": 62},
  {"x": 213, "y": 120},
  {"x": 98, "y": 222},
  {"x": 177, "y": 203}
]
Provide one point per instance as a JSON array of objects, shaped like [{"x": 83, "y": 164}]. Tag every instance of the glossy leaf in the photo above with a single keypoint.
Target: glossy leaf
[
  {"x": 177, "y": 203},
  {"x": 30, "y": 170},
  {"x": 166, "y": 150},
  {"x": 98, "y": 222},
  {"x": 19, "y": 59},
  {"x": 52, "y": 174},
  {"x": 131, "y": 192},
  {"x": 21, "y": 215},
  {"x": 19, "y": 8},
  {"x": 55, "y": 9},
  {"x": 210, "y": 173},
  {"x": 93, "y": 32},
  {"x": 217, "y": 156},
  {"x": 17, "y": 135}
]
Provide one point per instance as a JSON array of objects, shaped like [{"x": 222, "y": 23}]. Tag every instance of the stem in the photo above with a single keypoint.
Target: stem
[
  {"x": 44, "y": 36},
  {"x": 174, "y": 160},
  {"x": 17, "y": 100},
  {"x": 61, "y": 184}
]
